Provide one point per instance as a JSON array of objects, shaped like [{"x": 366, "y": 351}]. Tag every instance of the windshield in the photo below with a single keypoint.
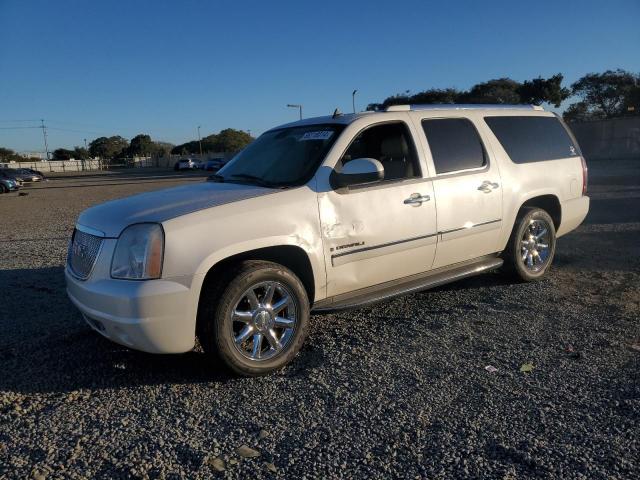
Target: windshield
[{"x": 282, "y": 158}]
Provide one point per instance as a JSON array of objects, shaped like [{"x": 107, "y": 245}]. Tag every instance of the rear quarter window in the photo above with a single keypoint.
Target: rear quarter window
[{"x": 532, "y": 139}]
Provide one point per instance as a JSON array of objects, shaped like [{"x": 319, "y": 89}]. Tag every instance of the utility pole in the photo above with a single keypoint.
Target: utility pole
[
  {"x": 44, "y": 134},
  {"x": 295, "y": 105},
  {"x": 353, "y": 100},
  {"x": 200, "y": 142},
  {"x": 83, "y": 159}
]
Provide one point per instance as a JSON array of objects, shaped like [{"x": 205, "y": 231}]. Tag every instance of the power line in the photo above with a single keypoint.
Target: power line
[
  {"x": 16, "y": 128},
  {"x": 75, "y": 131},
  {"x": 8, "y": 121}
]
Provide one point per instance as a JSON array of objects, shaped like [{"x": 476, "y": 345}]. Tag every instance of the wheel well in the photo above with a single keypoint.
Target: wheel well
[
  {"x": 290, "y": 256},
  {"x": 548, "y": 203}
]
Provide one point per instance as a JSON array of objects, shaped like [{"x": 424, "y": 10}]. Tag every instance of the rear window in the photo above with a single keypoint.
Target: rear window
[
  {"x": 454, "y": 144},
  {"x": 532, "y": 139}
]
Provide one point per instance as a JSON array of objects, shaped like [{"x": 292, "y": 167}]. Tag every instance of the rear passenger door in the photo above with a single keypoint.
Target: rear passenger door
[{"x": 467, "y": 188}]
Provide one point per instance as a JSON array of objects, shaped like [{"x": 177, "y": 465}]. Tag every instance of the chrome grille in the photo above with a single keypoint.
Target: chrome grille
[{"x": 83, "y": 251}]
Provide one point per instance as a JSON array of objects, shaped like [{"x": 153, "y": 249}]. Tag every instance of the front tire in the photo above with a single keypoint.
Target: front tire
[
  {"x": 255, "y": 318},
  {"x": 3, "y": 189},
  {"x": 532, "y": 245}
]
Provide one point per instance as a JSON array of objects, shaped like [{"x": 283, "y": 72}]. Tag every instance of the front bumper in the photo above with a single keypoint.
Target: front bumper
[{"x": 155, "y": 316}]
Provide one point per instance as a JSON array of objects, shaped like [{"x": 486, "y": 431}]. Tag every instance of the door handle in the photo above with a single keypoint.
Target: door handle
[
  {"x": 416, "y": 199},
  {"x": 488, "y": 187}
]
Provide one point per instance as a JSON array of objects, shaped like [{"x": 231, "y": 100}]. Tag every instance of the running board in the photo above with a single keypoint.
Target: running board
[{"x": 403, "y": 286}]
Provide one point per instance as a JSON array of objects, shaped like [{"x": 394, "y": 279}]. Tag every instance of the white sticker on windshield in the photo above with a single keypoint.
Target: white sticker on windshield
[{"x": 320, "y": 135}]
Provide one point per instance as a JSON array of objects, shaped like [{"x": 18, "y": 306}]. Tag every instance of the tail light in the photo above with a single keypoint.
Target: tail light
[{"x": 585, "y": 175}]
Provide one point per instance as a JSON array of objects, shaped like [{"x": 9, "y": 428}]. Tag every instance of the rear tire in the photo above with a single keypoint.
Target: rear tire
[
  {"x": 255, "y": 318},
  {"x": 532, "y": 245}
]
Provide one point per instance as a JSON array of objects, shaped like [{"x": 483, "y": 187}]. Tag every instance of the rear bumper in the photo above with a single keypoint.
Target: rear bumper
[
  {"x": 156, "y": 316},
  {"x": 573, "y": 214}
]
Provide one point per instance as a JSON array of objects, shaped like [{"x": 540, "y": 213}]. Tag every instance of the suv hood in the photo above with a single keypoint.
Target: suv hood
[{"x": 161, "y": 205}]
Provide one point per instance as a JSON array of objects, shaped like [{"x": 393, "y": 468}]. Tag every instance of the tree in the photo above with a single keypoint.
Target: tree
[
  {"x": 108, "y": 147},
  {"x": 162, "y": 149},
  {"x": 228, "y": 140},
  {"x": 577, "y": 112},
  {"x": 539, "y": 90},
  {"x": 141, "y": 146},
  {"x": 500, "y": 90},
  {"x": 433, "y": 95},
  {"x": 437, "y": 95},
  {"x": 187, "y": 148},
  {"x": 608, "y": 94},
  {"x": 6, "y": 154},
  {"x": 63, "y": 154},
  {"x": 231, "y": 140},
  {"x": 80, "y": 153}
]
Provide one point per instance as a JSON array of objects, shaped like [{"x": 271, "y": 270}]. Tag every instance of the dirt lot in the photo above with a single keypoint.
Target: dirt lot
[{"x": 396, "y": 390}]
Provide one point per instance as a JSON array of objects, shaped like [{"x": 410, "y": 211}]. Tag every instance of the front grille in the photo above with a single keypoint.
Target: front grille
[{"x": 83, "y": 252}]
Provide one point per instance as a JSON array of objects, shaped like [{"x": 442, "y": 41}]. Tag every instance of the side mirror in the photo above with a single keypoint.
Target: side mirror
[{"x": 357, "y": 172}]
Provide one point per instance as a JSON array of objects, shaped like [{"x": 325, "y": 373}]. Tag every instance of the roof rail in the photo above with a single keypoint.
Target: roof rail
[{"x": 453, "y": 106}]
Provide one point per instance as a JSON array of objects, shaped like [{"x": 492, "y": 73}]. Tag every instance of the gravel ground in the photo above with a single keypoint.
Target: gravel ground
[{"x": 396, "y": 390}]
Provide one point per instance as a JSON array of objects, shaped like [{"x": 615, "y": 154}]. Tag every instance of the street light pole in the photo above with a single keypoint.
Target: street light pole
[
  {"x": 295, "y": 105},
  {"x": 353, "y": 100},
  {"x": 200, "y": 142}
]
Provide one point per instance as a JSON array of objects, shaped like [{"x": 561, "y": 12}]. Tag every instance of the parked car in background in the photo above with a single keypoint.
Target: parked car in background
[
  {"x": 214, "y": 164},
  {"x": 7, "y": 185},
  {"x": 39, "y": 176},
  {"x": 7, "y": 173},
  {"x": 327, "y": 214},
  {"x": 186, "y": 164},
  {"x": 26, "y": 175}
]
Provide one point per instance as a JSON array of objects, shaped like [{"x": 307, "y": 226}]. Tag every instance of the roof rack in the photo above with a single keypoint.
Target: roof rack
[{"x": 453, "y": 106}]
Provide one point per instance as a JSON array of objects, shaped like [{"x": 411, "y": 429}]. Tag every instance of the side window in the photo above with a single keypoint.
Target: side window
[
  {"x": 532, "y": 139},
  {"x": 454, "y": 144},
  {"x": 392, "y": 145}
]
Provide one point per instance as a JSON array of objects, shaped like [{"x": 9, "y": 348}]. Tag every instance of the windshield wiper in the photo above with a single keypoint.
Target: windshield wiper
[{"x": 255, "y": 180}]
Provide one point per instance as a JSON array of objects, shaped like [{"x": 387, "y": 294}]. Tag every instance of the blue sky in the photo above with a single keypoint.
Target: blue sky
[{"x": 165, "y": 67}]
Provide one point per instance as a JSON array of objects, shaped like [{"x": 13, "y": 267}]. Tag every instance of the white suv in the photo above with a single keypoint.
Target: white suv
[{"x": 325, "y": 214}]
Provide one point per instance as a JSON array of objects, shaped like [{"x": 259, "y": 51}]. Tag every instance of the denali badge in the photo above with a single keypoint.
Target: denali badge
[{"x": 348, "y": 245}]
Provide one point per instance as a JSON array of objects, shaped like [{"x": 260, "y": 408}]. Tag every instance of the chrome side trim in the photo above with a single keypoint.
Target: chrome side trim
[
  {"x": 377, "y": 250},
  {"x": 475, "y": 225}
]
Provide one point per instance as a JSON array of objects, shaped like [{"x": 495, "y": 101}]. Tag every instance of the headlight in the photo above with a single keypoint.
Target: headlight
[{"x": 139, "y": 251}]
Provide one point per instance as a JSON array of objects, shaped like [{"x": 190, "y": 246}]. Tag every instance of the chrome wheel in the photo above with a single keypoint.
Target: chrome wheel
[
  {"x": 264, "y": 320},
  {"x": 535, "y": 245}
]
